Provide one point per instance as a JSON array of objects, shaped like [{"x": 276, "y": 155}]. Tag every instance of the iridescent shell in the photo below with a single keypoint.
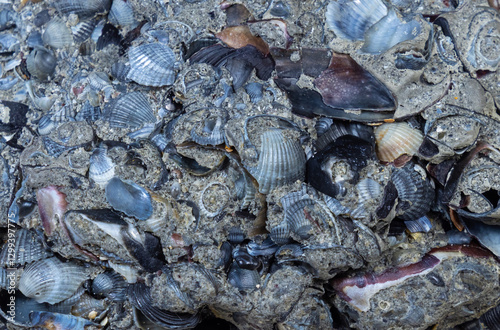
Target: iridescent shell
[
  {"x": 281, "y": 161},
  {"x": 396, "y": 139},
  {"x": 152, "y": 65},
  {"x": 51, "y": 280}
]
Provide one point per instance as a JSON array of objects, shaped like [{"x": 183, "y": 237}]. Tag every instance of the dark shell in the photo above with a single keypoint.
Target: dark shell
[
  {"x": 27, "y": 248},
  {"x": 111, "y": 285},
  {"x": 266, "y": 248},
  {"x": 82, "y": 8},
  {"x": 340, "y": 128},
  {"x": 243, "y": 279},
  {"x": 244, "y": 259}
]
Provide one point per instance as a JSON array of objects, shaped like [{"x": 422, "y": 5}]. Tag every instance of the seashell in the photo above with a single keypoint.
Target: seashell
[
  {"x": 152, "y": 65},
  {"x": 243, "y": 279},
  {"x": 280, "y": 9},
  {"x": 420, "y": 225},
  {"x": 236, "y": 235},
  {"x": 226, "y": 258},
  {"x": 281, "y": 234},
  {"x": 83, "y": 9},
  {"x": 46, "y": 125},
  {"x": 55, "y": 149},
  {"x": 491, "y": 318},
  {"x": 388, "y": 32},
  {"x": 338, "y": 129},
  {"x": 240, "y": 36},
  {"x": 57, "y": 34},
  {"x": 109, "y": 36},
  {"x": 458, "y": 237},
  {"x": 130, "y": 110},
  {"x": 121, "y": 13},
  {"x": 102, "y": 168},
  {"x": 27, "y": 248},
  {"x": 88, "y": 113},
  {"x": 128, "y": 272},
  {"x": 415, "y": 193},
  {"x": 482, "y": 40},
  {"x": 347, "y": 85},
  {"x": 83, "y": 30},
  {"x": 487, "y": 235},
  {"x": 218, "y": 198},
  {"x": 281, "y": 161},
  {"x": 86, "y": 305},
  {"x": 41, "y": 18},
  {"x": 51, "y": 280},
  {"x": 244, "y": 259},
  {"x": 255, "y": 91},
  {"x": 209, "y": 131},
  {"x": 120, "y": 70},
  {"x": 266, "y": 248},
  {"x": 368, "y": 189},
  {"x": 41, "y": 64},
  {"x": 51, "y": 206},
  {"x": 396, "y": 139},
  {"x": 50, "y": 320},
  {"x": 351, "y": 19},
  {"x": 129, "y": 198},
  {"x": 322, "y": 125},
  {"x": 8, "y": 82},
  {"x": 140, "y": 297},
  {"x": 35, "y": 40}
]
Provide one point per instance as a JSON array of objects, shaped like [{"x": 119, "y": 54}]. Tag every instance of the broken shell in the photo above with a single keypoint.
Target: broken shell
[
  {"x": 102, "y": 168},
  {"x": 129, "y": 198},
  {"x": 83, "y": 9},
  {"x": 58, "y": 321},
  {"x": 396, "y": 139},
  {"x": 27, "y": 249},
  {"x": 111, "y": 285},
  {"x": 121, "y": 13}
]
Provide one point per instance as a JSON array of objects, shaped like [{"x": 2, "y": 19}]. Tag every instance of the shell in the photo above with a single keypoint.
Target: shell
[
  {"x": 83, "y": 30},
  {"x": 83, "y": 9},
  {"x": 88, "y": 113},
  {"x": 396, "y": 139},
  {"x": 281, "y": 161},
  {"x": 86, "y": 305},
  {"x": 27, "y": 249},
  {"x": 57, "y": 34},
  {"x": 120, "y": 70},
  {"x": 244, "y": 259},
  {"x": 280, "y": 9},
  {"x": 281, "y": 234},
  {"x": 415, "y": 193},
  {"x": 266, "y": 248},
  {"x": 210, "y": 131},
  {"x": 51, "y": 206},
  {"x": 111, "y": 285},
  {"x": 128, "y": 272},
  {"x": 131, "y": 110},
  {"x": 121, "y": 13},
  {"x": 102, "y": 168},
  {"x": 483, "y": 41},
  {"x": 243, "y": 279},
  {"x": 41, "y": 64},
  {"x": 58, "y": 321},
  {"x": 51, "y": 280},
  {"x": 255, "y": 91},
  {"x": 129, "y": 198},
  {"x": 338, "y": 129},
  {"x": 351, "y": 19},
  {"x": 152, "y": 65},
  {"x": 420, "y": 225}
]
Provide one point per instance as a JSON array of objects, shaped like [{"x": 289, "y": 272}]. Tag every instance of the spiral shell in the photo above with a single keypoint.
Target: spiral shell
[
  {"x": 51, "y": 280},
  {"x": 396, "y": 139}
]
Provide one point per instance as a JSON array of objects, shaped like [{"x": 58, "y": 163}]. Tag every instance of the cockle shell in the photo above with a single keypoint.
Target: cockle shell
[
  {"x": 152, "y": 65},
  {"x": 26, "y": 249},
  {"x": 396, "y": 139},
  {"x": 57, "y": 34},
  {"x": 102, "y": 168},
  {"x": 51, "y": 280},
  {"x": 130, "y": 110}
]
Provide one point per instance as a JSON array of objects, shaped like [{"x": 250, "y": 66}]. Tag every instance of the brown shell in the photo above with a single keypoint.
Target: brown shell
[
  {"x": 240, "y": 36},
  {"x": 396, "y": 139}
]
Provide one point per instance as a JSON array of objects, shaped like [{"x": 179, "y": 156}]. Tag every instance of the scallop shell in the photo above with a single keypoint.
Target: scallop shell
[
  {"x": 281, "y": 161},
  {"x": 131, "y": 110},
  {"x": 57, "y": 34},
  {"x": 129, "y": 198},
  {"x": 255, "y": 91},
  {"x": 40, "y": 63},
  {"x": 152, "y": 65},
  {"x": 102, "y": 168},
  {"x": 111, "y": 285},
  {"x": 51, "y": 280},
  {"x": 351, "y": 19},
  {"x": 27, "y": 248},
  {"x": 396, "y": 139},
  {"x": 121, "y": 13}
]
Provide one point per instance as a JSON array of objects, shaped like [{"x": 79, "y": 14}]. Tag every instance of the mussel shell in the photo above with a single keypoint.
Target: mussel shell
[
  {"x": 57, "y": 34},
  {"x": 129, "y": 198},
  {"x": 51, "y": 280}
]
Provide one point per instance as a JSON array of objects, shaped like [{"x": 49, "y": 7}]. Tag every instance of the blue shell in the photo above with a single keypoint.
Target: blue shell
[{"x": 129, "y": 198}]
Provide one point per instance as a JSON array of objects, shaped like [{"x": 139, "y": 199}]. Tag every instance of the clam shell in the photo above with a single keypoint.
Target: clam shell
[
  {"x": 396, "y": 139},
  {"x": 41, "y": 63},
  {"x": 83, "y": 30},
  {"x": 281, "y": 161},
  {"x": 255, "y": 91},
  {"x": 57, "y": 34},
  {"x": 131, "y": 110},
  {"x": 83, "y": 9},
  {"x": 102, "y": 168},
  {"x": 121, "y": 13},
  {"x": 152, "y": 65},
  {"x": 111, "y": 285},
  {"x": 51, "y": 280},
  {"x": 27, "y": 248},
  {"x": 129, "y": 198}
]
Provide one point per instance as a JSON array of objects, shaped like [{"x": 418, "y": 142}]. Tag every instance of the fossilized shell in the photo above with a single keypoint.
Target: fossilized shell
[
  {"x": 51, "y": 280},
  {"x": 131, "y": 110},
  {"x": 281, "y": 161},
  {"x": 351, "y": 19},
  {"x": 40, "y": 63},
  {"x": 27, "y": 248},
  {"x": 396, "y": 139},
  {"x": 57, "y": 34},
  {"x": 483, "y": 40},
  {"x": 129, "y": 198},
  {"x": 152, "y": 65},
  {"x": 102, "y": 168}
]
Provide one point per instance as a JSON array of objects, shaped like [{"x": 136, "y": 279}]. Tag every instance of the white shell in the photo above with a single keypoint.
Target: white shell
[
  {"x": 102, "y": 168},
  {"x": 396, "y": 139},
  {"x": 152, "y": 65},
  {"x": 281, "y": 161},
  {"x": 51, "y": 280},
  {"x": 57, "y": 34}
]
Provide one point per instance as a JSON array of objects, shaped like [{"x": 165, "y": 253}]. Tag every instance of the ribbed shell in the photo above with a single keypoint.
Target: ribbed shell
[
  {"x": 368, "y": 189},
  {"x": 57, "y": 34},
  {"x": 396, "y": 139},
  {"x": 111, "y": 285},
  {"x": 131, "y": 110},
  {"x": 255, "y": 91},
  {"x": 243, "y": 279},
  {"x": 152, "y": 65},
  {"x": 86, "y": 304},
  {"x": 121, "y": 13},
  {"x": 120, "y": 70},
  {"x": 338, "y": 129},
  {"x": 26, "y": 249},
  {"x": 83, "y": 30},
  {"x": 281, "y": 161},
  {"x": 51, "y": 280},
  {"x": 58, "y": 321},
  {"x": 102, "y": 168},
  {"x": 209, "y": 132},
  {"x": 87, "y": 8}
]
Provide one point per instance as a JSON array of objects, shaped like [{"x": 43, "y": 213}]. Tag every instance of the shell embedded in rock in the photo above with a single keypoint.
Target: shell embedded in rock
[
  {"x": 243, "y": 279},
  {"x": 27, "y": 249},
  {"x": 40, "y": 63},
  {"x": 111, "y": 285},
  {"x": 131, "y": 110},
  {"x": 57, "y": 34},
  {"x": 396, "y": 139},
  {"x": 129, "y": 198},
  {"x": 51, "y": 280},
  {"x": 351, "y": 19},
  {"x": 281, "y": 161},
  {"x": 483, "y": 41},
  {"x": 102, "y": 168},
  {"x": 152, "y": 65}
]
